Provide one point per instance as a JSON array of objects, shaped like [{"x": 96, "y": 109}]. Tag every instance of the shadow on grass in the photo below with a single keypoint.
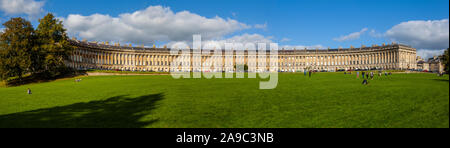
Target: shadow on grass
[
  {"x": 442, "y": 80},
  {"x": 41, "y": 78},
  {"x": 115, "y": 112}
]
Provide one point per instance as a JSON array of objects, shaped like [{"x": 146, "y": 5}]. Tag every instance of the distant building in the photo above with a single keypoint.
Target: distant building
[
  {"x": 92, "y": 55},
  {"x": 434, "y": 65},
  {"x": 422, "y": 65}
]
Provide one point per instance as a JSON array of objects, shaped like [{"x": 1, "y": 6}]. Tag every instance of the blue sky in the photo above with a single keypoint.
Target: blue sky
[{"x": 323, "y": 23}]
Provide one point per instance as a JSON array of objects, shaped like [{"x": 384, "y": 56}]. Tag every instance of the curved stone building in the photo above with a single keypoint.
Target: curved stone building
[{"x": 93, "y": 55}]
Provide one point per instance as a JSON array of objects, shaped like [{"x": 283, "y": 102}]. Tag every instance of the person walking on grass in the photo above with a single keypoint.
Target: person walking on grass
[
  {"x": 371, "y": 75},
  {"x": 29, "y": 91},
  {"x": 310, "y": 72},
  {"x": 363, "y": 74}
]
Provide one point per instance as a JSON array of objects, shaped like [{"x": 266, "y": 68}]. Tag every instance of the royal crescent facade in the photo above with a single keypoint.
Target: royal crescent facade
[{"x": 93, "y": 55}]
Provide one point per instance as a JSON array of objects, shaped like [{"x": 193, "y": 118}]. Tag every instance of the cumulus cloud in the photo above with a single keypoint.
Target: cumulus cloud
[
  {"x": 155, "y": 23},
  {"x": 351, "y": 36},
  {"x": 28, "y": 7},
  {"x": 243, "y": 39},
  {"x": 261, "y": 26},
  {"x": 432, "y": 34},
  {"x": 285, "y": 40},
  {"x": 301, "y": 47},
  {"x": 234, "y": 14},
  {"x": 249, "y": 38},
  {"x": 375, "y": 34},
  {"x": 427, "y": 53}
]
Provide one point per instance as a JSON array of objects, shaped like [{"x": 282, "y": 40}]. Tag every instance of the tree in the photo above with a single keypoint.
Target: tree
[
  {"x": 16, "y": 42},
  {"x": 53, "y": 47},
  {"x": 445, "y": 61}
]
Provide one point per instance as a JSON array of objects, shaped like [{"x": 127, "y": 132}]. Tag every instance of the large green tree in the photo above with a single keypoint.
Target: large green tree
[
  {"x": 446, "y": 61},
  {"x": 16, "y": 42},
  {"x": 53, "y": 47}
]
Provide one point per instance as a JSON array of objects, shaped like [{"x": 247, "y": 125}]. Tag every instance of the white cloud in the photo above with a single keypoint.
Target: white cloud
[
  {"x": 250, "y": 38},
  {"x": 351, "y": 36},
  {"x": 426, "y": 53},
  {"x": 246, "y": 38},
  {"x": 301, "y": 47},
  {"x": 156, "y": 23},
  {"x": 243, "y": 39},
  {"x": 29, "y": 7},
  {"x": 261, "y": 26},
  {"x": 375, "y": 34},
  {"x": 432, "y": 34},
  {"x": 234, "y": 14},
  {"x": 285, "y": 40}
]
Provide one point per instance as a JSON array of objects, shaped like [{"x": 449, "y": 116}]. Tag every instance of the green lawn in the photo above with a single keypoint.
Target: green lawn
[{"x": 325, "y": 100}]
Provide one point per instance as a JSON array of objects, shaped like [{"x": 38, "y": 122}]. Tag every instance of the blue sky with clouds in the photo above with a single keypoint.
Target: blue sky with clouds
[{"x": 293, "y": 24}]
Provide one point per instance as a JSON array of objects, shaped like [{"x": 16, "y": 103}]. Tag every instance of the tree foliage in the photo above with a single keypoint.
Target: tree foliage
[
  {"x": 53, "y": 46},
  {"x": 42, "y": 52},
  {"x": 446, "y": 61},
  {"x": 16, "y": 42}
]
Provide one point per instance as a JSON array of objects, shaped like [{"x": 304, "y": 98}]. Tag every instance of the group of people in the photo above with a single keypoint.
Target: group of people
[
  {"x": 77, "y": 80},
  {"x": 369, "y": 75}
]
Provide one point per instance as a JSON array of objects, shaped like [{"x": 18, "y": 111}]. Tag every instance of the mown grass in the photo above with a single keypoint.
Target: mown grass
[{"x": 325, "y": 100}]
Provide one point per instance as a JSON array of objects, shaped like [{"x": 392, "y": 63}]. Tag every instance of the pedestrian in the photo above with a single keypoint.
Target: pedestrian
[
  {"x": 363, "y": 74},
  {"x": 365, "y": 82},
  {"x": 304, "y": 71},
  {"x": 29, "y": 91},
  {"x": 310, "y": 72},
  {"x": 357, "y": 74},
  {"x": 371, "y": 75}
]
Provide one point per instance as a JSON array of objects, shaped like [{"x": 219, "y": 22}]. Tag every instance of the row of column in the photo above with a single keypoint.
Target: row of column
[
  {"x": 392, "y": 59},
  {"x": 338, "y": 61}
]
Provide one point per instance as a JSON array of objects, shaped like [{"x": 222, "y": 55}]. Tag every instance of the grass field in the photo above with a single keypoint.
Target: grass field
[{"x": 325, "y": 100}]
